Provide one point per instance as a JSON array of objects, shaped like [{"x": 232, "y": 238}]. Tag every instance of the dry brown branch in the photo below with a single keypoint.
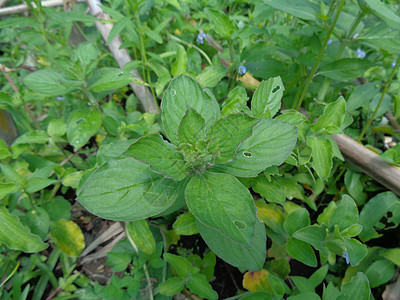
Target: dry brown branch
[
  {"x": 17, "y": 9},
  {"x": 122, "y": 57},
  {"x": 369, "y": 162}
]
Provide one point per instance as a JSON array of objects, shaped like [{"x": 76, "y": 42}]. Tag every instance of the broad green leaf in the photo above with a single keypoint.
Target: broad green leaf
[
  {"x": 385, "y": 12},
  {"x": 155, "y": 36},
  {"x": 191, "y": 128},
  {"x": 301, "y": 251},
  {"x": 85, "y": 53},
  {"x": 272, "y": 190},
  {"x": 333, "y": 117},
  {"x": 357, "y": 288},
  {"x": 227, "y": 134},
  {"x": 322, "y": 155},
  {"x": 73, "y": 179},
  {"x": 330, "y": 292},
  {"x": 106, "y": 79},
  {"x": 58, "y": 208},
  {"x": 234, "y": 253},
  {"x": 297, "y": 220},
  {"x": 118, "y": 260},
  {"x": 236, "y": 98},
  {"x": 180, "y": 64},
  {"x": 392, "y": 254},
  {"x": 7, "y": 188},
  {"x": 36, "y": 184},
  {"x": 160, "y": 155},
  {"x": 259, "y": 281},
  {"x": 354, "y": 186},
  {"x": 57, "y": 127},
  {"x": 380, "y": 272},
  {"x": 318, "y": 276},
  {"x": 355, "y": 250},
  {"x": 373, "y": 211},
  {"x": 345, "y": 214},
  {"x": 140, "y": 233},
  {"x": 184, "y": 92},
  {"x": 267, "y": 96},
  {"x": 81, "y": 126},
  {"x": 38, "y": 221},
  {"x": 68, "y": 237},
  {"x": 12, "y": 175},
  {"x": 222, "y": 202},
  {"x": 301, "y": 9},
  {"x": 16, "y": 236},
  {"x": 125, "y": 189},
  {"x": 181, "y": 265},
  {"x": 362, "y": 95},
  {"x": 50, "y": 83},
  {"x": 210, "y": 76},
  {"x": 32, "y": 137},
  {"x": 198, "y": 284},
  {"x": 271, "y": 143},
  {"x": 313, "y": 235},
  {"x": 117, "y": 28},
  {"x": 224, "y": 26},
  {"x": 185, "y": 224},
  {"x": 172, "y": 286},
  {"x": 345, "y": 69}
]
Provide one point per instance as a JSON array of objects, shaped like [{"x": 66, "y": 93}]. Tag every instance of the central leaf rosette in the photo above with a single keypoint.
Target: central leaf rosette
[{"x": 197, "y": 158}]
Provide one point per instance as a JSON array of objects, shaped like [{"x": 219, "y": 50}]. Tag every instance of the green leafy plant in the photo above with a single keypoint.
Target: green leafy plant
[{"x": 199, "y": 163}]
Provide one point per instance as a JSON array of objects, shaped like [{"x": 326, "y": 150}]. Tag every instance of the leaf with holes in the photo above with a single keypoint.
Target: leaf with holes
[{"x": 267, "y": 97}]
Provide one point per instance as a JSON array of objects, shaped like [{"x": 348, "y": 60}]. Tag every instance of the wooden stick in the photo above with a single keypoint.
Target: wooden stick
[
  {"x": 122, "y": 57},
  {"x": 17, "y": 9},
  {"x": 369, "y": 162}
]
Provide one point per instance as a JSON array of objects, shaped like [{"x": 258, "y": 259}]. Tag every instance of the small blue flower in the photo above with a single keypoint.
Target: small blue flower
[
  {"x": 355, "y": 36},
  {"x": 360, "y": 53},
  {"x": 200, "y": 37},
  {"x": 60, "y": 98},
  {"x": 242, "y": 70},
  {"x": 346, "y": 257},
  {"x": 329, "y": 41},
  {"x": 393, "y": 64}
]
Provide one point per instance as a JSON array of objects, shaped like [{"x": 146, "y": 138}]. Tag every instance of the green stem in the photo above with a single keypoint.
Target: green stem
[
  {"x": 380, "y": 100},
  {"x": 345, "y": 41},
  {"x": 11, "y": 274},
  {"x": 321, "y": 52},
  {"x": 190, "y": 45},
  {"x": 146, "y": 272}
]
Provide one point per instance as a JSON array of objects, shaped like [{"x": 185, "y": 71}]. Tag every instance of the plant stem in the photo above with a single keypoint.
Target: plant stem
[
  {"x": 380, "y": 100},
  {"x": 345, "y": 41},
  {"x": 321, "y": 52},
  {"x": 190, "y": 45},
  {"x": 146, "y": 272}
]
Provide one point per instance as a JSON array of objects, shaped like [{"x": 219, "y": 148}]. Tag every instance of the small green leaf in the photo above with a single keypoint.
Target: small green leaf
[
  {"x": 355, "y": 250},
  {"x": 236, "y": 98},
  {"x": 345, "y": 215},
  {"x": 119, "y": 261},
  {"x": 117, "y": 28},
  {"x": 333, "y": 117},
  {"x": 57, "y": 127},
  {"x": 180, "y": 64},
  {"x": 38, "y": 221},
  {"x": 7, "y": 188},
  {"x": 191, "y": 128},
  {"x": 301, "y": 9},
  {"x": 160, "y": 155},
  {"x": 210, "y": 76},
  {"x": 236, "y": 254},
  {"x": 185, "y": 224},
  {"x": 313, "y": 235},
  {"x": 58, "y": 208},
  {"x": 140, "y": 233},
  {"x": 297, "y": 220},
  {"x": 224, "y": 26},
  {"x": 32, "y": 137},
  {"x": 4, "y": 151},
  {"x": 172, "y": 286},
  {"x": 362, "y": 95},
  {"x": 16, "y": 236},
  {"x": 154, "y": 35},
  {"x": 36, "y": 184},
  {"x": 72, "y": 179},
  {"x": 322, "y": 154},
  {"x": 271, "y": 143},
  {"x": 85, "y": 53},
  {"x": 301, "y": 251},
  {"x": 227, "y": 134},
  {"x": 267, "y": 96},
  {"x": 392, "y": 254},
  {"x": 380, "y": 272},
  {"x": 106, "y": 79},
  {"x": 12, "y": 175},
  {"x": 125, "y": 189},
  {"x": 270, "y": 190},
  {"x": 50, "y": 82},
  {"x": 199, "y": 285},
  {"x": 184, "y": 92},
  {"x": 222, "y": 202},
  {"x": 81, "y": 126},
  {"x": 68, "y": 237},
  {"x": 182, "y": 266}
]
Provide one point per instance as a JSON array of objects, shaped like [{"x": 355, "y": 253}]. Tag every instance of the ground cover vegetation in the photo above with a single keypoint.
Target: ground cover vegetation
[{"x": 195, "y": 148}]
